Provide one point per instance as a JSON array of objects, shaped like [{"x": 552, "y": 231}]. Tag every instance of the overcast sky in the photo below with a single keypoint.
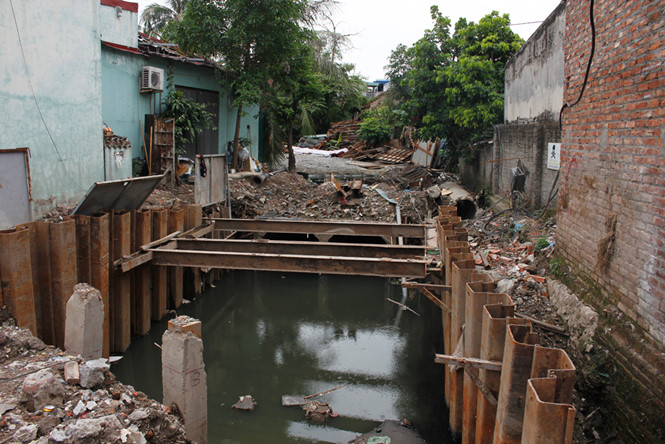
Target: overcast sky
[{"x": 378, "y": 26}]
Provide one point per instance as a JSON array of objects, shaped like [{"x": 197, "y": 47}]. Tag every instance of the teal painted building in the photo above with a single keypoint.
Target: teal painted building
[
  {"x": 69, "y": 67},
  {"x": 125, "y": 104}
]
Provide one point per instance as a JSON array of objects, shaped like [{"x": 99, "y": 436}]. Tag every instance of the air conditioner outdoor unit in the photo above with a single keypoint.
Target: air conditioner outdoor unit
[{"x": 152, "y": 79}]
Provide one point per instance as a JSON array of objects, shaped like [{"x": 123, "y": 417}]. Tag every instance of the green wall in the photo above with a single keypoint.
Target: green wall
[{"x": 123, "y": 106}]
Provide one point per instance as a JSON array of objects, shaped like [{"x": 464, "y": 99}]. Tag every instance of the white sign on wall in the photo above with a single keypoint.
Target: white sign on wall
[{"x": 553, "y": 156}]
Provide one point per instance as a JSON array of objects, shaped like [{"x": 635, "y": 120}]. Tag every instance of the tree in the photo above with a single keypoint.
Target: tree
[
  {"x": 156, "y": 17},
  {"x": 452, "y": 85},
  {"x": 251, "y": 41}
]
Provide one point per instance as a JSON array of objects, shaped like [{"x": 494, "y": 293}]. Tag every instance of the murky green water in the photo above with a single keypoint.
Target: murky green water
[{"x": 274, "y": 334}]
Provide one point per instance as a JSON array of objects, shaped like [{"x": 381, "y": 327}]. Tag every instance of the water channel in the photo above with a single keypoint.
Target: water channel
[{"x": 273, "y": 334}]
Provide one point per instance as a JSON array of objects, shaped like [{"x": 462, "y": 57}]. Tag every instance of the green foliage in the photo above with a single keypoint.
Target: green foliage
[
  {"x": 556, "y": 267},
  {"x": 156, "y": 17},
  {"x": 380, "y": 124},
  {"x": 540, "y": 244},
  {"x": 451, "y": 84},
  {"x": 190, "y": 118}
]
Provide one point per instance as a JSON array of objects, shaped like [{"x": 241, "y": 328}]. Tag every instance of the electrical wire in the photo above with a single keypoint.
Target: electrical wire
[
  {"x": 34, "y": 96},
  {"x": 588, "y": 67}
]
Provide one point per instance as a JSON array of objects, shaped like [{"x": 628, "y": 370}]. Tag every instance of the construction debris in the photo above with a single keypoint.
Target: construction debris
[{"x": 246, "y": 403}]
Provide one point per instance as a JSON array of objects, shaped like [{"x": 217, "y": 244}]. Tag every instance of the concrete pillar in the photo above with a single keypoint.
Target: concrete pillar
[
  {"x": 184, "y": 376},
  {"x": 85, "y": 316}
]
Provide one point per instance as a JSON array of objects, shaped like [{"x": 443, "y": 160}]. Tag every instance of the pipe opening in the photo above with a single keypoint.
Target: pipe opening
[{"x": 466, "y": 209}]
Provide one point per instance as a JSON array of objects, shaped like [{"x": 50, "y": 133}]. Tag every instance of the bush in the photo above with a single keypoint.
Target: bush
[{"x": 374, "y": 131}]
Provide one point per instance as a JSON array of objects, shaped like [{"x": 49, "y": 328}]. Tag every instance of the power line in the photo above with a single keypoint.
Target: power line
[{"x": 526, "y": 23}]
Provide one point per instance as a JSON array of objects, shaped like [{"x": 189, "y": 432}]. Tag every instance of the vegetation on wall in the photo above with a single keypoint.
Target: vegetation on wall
[{"x": 190, "y": 118}]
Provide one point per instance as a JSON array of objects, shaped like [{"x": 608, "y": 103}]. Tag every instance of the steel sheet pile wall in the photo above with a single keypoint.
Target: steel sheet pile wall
[
  {"x": 501, "y": 387},
  {"x": 40, "y": 262}
]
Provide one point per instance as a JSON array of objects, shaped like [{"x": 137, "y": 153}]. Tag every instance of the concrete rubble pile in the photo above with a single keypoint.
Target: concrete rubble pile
[{"x": 51, "y": 397}]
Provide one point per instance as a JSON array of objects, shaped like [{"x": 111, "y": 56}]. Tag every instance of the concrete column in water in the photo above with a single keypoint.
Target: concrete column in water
[
  {"x": 184, "y": 376},
  {"x": 85, "y": 316}
]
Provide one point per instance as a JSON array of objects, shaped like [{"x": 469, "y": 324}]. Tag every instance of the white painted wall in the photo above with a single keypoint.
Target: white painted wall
[
  {"x": 119, "y": 29},
  {"x": 534, "y": 76},
  {"x": 52, "y": 102}
]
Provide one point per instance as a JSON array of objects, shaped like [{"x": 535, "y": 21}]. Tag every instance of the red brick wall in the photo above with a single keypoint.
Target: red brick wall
[
  {"x": 613, "y": 168},
  {"x": 613, "y": 154}
]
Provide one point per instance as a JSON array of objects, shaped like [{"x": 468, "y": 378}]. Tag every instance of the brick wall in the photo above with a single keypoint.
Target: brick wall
[
  {"x": 527, "y": 142},
  {"x": 613, "y": 170}
]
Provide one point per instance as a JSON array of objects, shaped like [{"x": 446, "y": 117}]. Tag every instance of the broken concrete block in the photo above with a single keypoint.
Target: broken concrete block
[
  {"x": 42, "y": 388},
  {"x": 106, "y": 429},
  {"x": 506, "y": 286},
  {"x": 72, "y": 375},
  {"x": 85, "y": 317},
  {"x": 27, "y": 433},
  {"x": 184, "y": 324},
  {"x": 184, "y": 381},
  {"x": 245, "y": 403},
  {"x": 92, "y": 373}
]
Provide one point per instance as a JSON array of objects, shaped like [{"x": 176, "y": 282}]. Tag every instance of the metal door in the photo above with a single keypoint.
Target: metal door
[{"x": 15, "y": 205}]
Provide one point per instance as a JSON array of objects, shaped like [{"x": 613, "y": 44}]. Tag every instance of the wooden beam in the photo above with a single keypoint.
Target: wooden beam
[
  {"x": 303, "y": 248},
  {"x": 439, "y": 303},
  {"x": 475, "y": 377},
  {"x": 292, "y": 263},
  {"x": 544, "y": 325},
  {"x": 318, "y": 227},
  {"x": 133, "y": 260},
  {"x": 473, "y": 362},
  {"x": 418, "y": 286},
  {"x": 160, "y": 241}
]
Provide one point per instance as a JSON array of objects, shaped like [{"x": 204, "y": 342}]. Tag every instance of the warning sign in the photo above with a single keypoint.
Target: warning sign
[{"x": 553, "y": 156}]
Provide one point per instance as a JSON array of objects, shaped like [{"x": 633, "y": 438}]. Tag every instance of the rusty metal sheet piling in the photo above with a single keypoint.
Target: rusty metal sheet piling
[
  {"x": 121, "y": 288},
  {"x": 546, "y": 420},
  {"x": 462, "y": 272},
  {"x": 83, "y": 248},
  {"x": 195, "y": 219},
  {"x": 46, "y": 326},
  {"x": 31, "y": 228},
  {"x": 493, "y": 339},
  {"x": 160, "y": 228},
  {"x": 515, "y": 372},
  {"x": 16, "y": 277},
  {"x": 176, "y": 223},
  {"x": 99, "y": 269},
  {"x": 63, "y": 272},
  {"x": 142, "y": 275},
  {"x": 479, "y": 292}
]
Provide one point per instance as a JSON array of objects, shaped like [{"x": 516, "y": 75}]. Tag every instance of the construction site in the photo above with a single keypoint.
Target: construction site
[{"x": 350, "y": 291}]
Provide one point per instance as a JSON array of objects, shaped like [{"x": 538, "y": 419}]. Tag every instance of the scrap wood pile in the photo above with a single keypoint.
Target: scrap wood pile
[{"x": 345, "y": 135}]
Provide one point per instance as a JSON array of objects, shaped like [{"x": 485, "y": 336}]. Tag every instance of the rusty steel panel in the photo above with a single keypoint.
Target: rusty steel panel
[
  {"x": 303, "y": 248},
  {"x": 63, "y": 272},
  {"x": 493, "y": 339},
  {"x": 316, "y": 227},
  {"x": 83, "y": 248},
  {"x": 546, "y": 419},
  {"x": 479, "y": 293},
  {"x": 99, "y": 269},
  {"x": 293, "y": 263},
  {"x": 16, "y": 277},
  {"x": 46, "y": 326},
  {"x": 462, "y": 273},
  {"x": 160, "y": 228},
  {"x": 121, "y": 284},
  {"x": 176, "y": 282},
  {"x": 142, "y": 277},
  {"x": 31, "y": 227},
  {"x": 515, "y": 372}
]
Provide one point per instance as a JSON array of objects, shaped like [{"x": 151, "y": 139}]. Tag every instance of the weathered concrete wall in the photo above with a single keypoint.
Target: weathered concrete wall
[
  {"x": 119, "y": 24},
  {"x": 50, "y": 95},
  {"x": 534, "y": 76},
  {"x": 528, "y": 143},
  {"x": 611, "y": 219}
]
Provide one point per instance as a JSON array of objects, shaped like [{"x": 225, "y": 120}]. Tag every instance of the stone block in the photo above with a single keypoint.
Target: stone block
[
  {"x": 84, "y": 334},
  {"x": 92, "y": 373},
  {"x": 184, "y": 381},
  {"x": 72, "y": 375}
]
